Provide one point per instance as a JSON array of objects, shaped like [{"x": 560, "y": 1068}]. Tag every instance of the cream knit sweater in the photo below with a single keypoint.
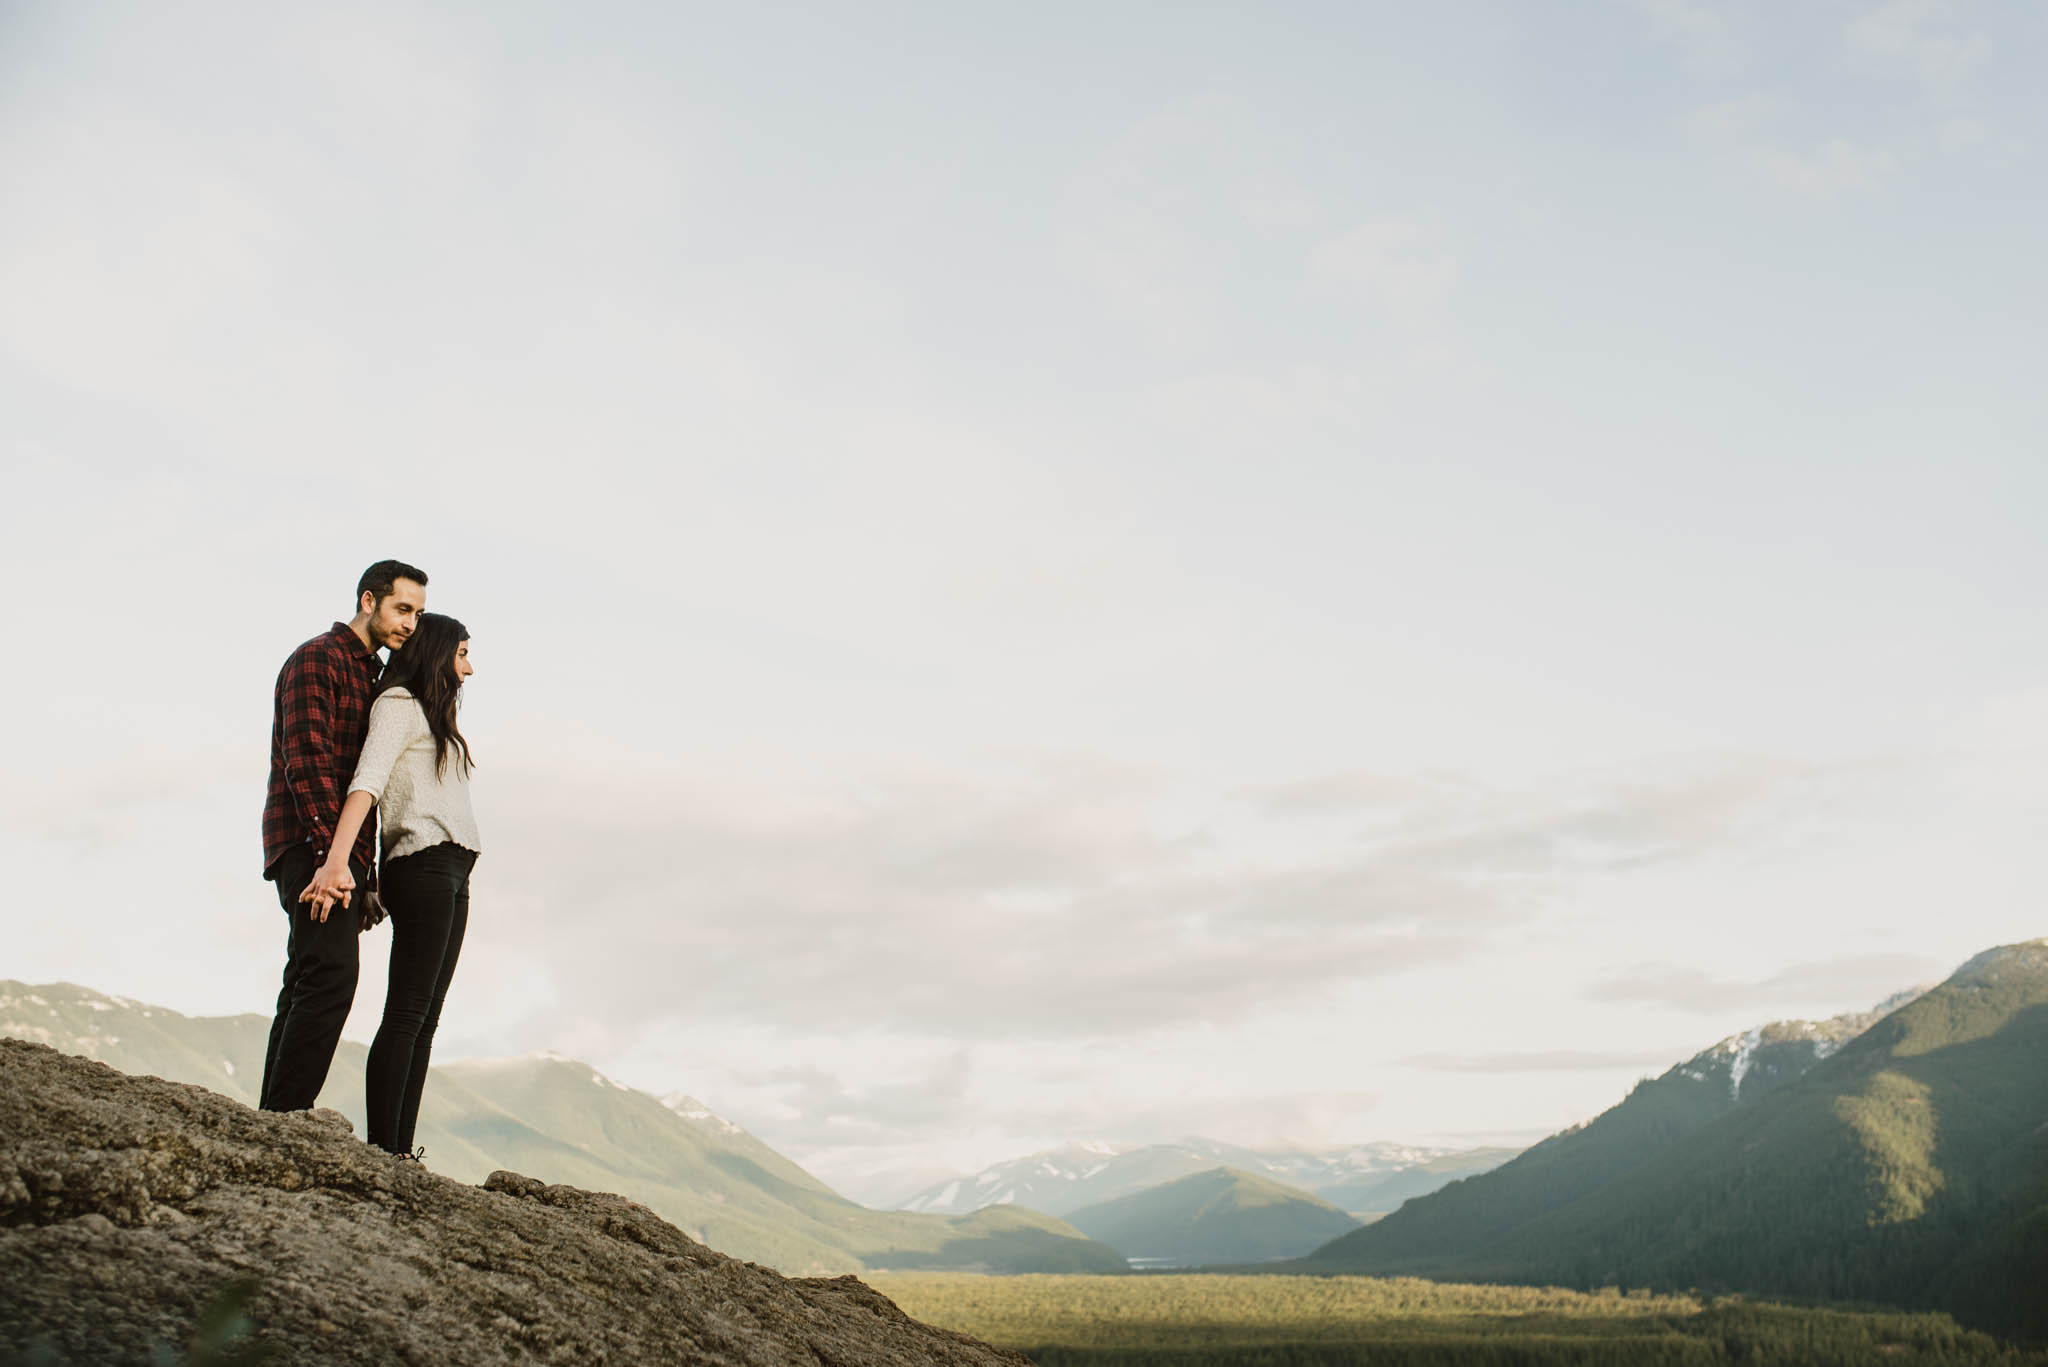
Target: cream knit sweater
[{"x": 418, "y": 806}]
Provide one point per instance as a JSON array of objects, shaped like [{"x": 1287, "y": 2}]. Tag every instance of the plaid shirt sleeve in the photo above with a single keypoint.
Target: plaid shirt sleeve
[{"x": 309, "y": 692}]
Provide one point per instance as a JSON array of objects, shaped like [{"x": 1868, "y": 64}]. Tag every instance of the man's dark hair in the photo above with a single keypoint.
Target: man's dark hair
[{"x": 382, "y": 577}]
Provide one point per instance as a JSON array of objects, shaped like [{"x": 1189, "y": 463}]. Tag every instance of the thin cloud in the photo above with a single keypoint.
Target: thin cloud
[
  {"x": 1747, "y": 133},
  {"x": 1044, "y": 901},
  {"x": 1341, "y": 792},
  {"x": 817, "y": 1106},
  {"x": 1399, "y": 267},
  {"x": 1915, "y": 37},
  {"x": 1703, "y": 31},
  {"x": 1308, "y": 1119},
  {"x": 1543, "y": 1061},
  {"x": 1156, "y": 243},
  {"x": 1853, "y": 977}
]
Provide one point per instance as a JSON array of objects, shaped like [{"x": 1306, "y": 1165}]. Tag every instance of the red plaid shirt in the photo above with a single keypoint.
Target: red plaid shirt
[{"x": 317, "y": 727}]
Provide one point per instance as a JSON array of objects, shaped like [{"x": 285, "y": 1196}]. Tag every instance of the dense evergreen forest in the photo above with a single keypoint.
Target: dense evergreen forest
[{"x": 1198, "y": 1320}]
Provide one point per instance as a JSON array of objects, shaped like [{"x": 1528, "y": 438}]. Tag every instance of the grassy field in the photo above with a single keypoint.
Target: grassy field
[{"x": 1207, "y": 1321}]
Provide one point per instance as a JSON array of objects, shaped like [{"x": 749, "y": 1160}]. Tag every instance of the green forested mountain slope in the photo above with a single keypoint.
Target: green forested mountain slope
[
  {"x": 1478, "y": 1211},
  {"x": 562, "y": 1121},
  {"x": 1909, "y": 1168},
  {"x": 1225, "y": 1215}
]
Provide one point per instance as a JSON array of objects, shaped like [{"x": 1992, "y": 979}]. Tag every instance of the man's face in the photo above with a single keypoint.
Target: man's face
[{"x": 392, "y": 620}]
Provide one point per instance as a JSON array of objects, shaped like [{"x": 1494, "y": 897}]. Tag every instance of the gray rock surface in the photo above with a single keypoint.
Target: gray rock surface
[{"x": 126, "y": 1203}]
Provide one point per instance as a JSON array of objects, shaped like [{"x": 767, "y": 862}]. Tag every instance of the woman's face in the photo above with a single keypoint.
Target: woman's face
[{"x": 463, "y": 668}]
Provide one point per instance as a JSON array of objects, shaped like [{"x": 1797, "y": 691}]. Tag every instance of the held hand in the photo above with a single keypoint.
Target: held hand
[
  {"x": 330, "y": 884},
  {"x": 318, "y": 911}
]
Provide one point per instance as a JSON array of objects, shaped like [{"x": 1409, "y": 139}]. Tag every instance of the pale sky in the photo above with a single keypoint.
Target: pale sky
[{"x": 1298, "y": 573}]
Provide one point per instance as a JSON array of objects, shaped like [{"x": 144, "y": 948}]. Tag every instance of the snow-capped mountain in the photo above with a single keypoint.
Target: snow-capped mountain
[
  {"x": 1034, "y": 1181},
  {"x": 1058, "y": 1181},
  {"x": 1761, "y": 1059},
  {"x": 700, "y": 1115}
]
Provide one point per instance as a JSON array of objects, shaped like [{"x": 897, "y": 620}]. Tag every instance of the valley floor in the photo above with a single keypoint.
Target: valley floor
[{"x": 1196, "y": 1320}]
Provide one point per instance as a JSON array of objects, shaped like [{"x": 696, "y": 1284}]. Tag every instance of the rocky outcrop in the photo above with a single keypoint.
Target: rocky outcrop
[{"x": 127, "y": 1203}]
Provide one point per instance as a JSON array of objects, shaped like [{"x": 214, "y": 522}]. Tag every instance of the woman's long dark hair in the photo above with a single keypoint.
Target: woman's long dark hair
[{"x": 425, "y": 667}]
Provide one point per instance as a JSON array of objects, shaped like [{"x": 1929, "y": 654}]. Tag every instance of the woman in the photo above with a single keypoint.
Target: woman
[{"x": 415, "y": 770}]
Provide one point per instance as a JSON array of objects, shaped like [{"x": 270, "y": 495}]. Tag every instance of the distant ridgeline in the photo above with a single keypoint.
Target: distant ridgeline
[
  {"x": 563, "y": 1121},
  {"x": 1905, "y": 1163},
  {"x": 1221, "y": 1216},
  {"x": 1364, "y": 1179}
]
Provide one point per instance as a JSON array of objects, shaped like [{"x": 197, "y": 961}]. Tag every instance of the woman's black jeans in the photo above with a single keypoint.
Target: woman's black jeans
[{"x": 427, "y": 895}]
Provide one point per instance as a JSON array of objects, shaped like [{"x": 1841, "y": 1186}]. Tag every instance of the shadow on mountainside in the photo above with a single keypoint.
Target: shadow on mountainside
[{"x": 1983, "y": 1219}]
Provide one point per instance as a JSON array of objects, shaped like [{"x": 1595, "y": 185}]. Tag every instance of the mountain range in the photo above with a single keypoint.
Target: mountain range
[
  {"x": 1224, "y": 1215},
  {"x": 1896, "y": 1156},
  {"x": 1363, "y": 1179},
  {"x": 562, "y": 1121},
  {"x": 1902, "y": 1161}
]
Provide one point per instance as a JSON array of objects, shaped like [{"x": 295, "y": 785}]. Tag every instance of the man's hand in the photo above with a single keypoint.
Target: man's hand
[
  {"x": 373, "y": 910},
  {"x": 330, "y": 885}
]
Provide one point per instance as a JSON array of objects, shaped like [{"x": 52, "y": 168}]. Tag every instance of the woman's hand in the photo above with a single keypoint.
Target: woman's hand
[{"x": 331, "y": 883}]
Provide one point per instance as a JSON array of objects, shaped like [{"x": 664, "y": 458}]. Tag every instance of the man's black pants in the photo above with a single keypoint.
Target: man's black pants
[{"x": 322, "y": 960}]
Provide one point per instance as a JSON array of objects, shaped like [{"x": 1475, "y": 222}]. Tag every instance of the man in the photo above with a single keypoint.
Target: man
[{"x": 319, "y": 719}]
